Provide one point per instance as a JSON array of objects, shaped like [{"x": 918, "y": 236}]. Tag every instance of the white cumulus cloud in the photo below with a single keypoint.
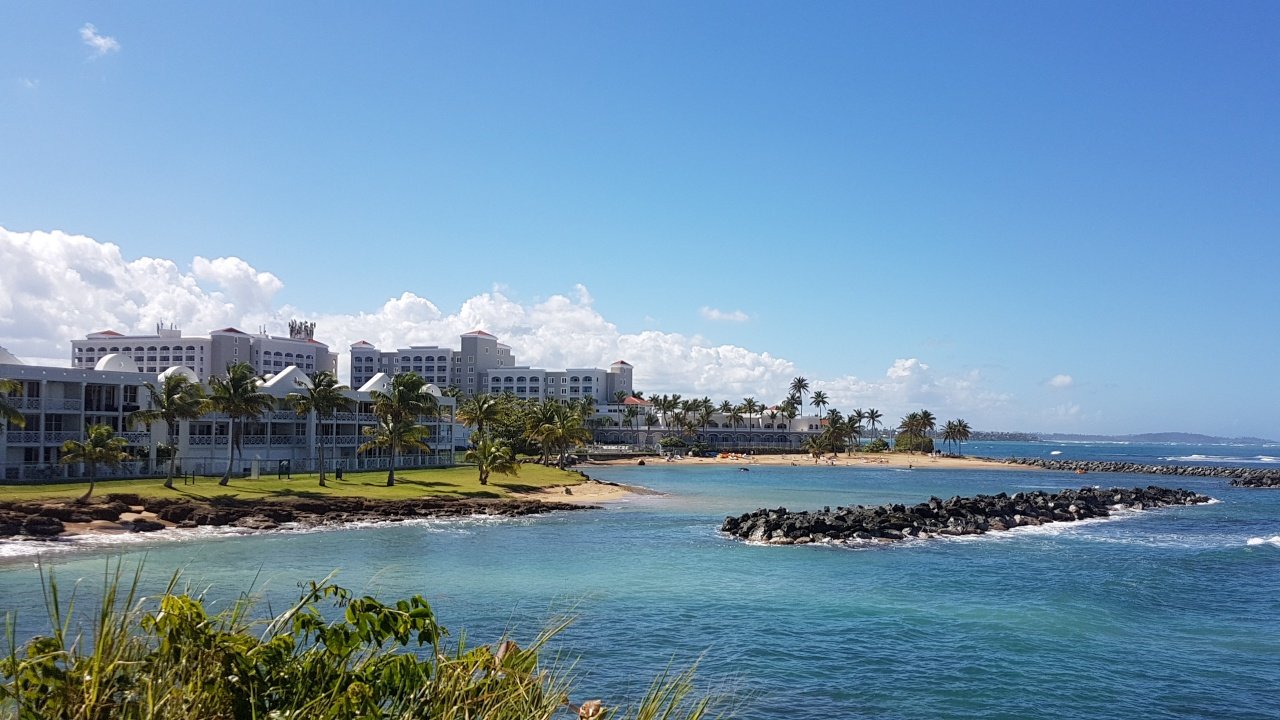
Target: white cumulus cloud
[
  {"x": 715, "y": 315},
  {"x": 101, "y": 44},
  {"x": 56, "y": 286},
  {"x": 1061, "y": 381}
]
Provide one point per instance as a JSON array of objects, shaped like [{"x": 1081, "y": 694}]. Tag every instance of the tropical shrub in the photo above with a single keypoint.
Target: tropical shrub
[
  {"x": 912, "y": 443},
  {"x": 877, "y": 445},
  {"x": 329, "y": 656}
]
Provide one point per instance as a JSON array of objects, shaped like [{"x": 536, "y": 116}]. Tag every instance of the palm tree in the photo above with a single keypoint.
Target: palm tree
[
  {"x": 395, "y": 433},
  {"x": 750, "y": 407},
  {"x": 619, "y": 397},
  {"x": 963, "y": 432},
  {"x": 798, "y": 387},
  {"x": 236, "y": 395},
  {"x": 324, "y": 398},
  {"x": 565, "y": 430},
  {"x": 479, "y": 411},
  {"x": 629, "y": 415},
  {"x": 7, "y": 411},
  {"x": 539, "y": 424},
  {"x": 818, "y": 401},
  {"x": 853, "y": 427},
  {"x": 100, "y": 447},
  {"x": 872, "y": 416},
  {"x": 398, "y": 410},
  {"x": 928, "y": 423},
  {"x": 175, "y": 400},
  {"x": 492, "y": 456}
]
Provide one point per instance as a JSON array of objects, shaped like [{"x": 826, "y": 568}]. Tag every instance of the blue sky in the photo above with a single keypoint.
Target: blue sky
[{"x": 1001, "y": 193}]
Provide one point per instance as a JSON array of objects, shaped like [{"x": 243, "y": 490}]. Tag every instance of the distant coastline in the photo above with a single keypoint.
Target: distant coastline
[{"x": 1161, "y": 437}]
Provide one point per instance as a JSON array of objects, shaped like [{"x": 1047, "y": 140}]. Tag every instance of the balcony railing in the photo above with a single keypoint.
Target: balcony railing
[
  {"x": 207, "y": 440},
  {"x": 60, "y": 436},
  {"x": 62, "y": 404},
  {"x": 288, "y": 439},
  {"x": 23, "y": 437}
]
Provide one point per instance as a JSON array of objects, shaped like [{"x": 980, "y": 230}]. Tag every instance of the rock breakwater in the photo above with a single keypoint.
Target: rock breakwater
[
  {"x": 48, "y": 519},
  {"x": 1242, "y": 477},
  {"x": 956, "y": 516}
]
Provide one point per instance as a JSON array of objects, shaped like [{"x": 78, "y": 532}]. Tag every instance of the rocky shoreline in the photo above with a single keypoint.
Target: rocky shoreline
[
  {"x": 44, "y": 519},
  {"x": 1240, "y": 477},
  {"x": 957, "y": 516}
]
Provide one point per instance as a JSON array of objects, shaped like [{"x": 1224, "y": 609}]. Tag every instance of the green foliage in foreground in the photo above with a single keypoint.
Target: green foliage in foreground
[{"x": 167, "y": 657}]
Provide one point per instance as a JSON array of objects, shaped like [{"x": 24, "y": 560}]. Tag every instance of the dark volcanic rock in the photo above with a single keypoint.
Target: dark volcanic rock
[
  {"x": 42, "y": 526},
  {"x": 144, "y": 525},
  {"x": 1240, "y": 477},
  {"x": 45, "y": 518},
  {"x": 956, "y": 516}
]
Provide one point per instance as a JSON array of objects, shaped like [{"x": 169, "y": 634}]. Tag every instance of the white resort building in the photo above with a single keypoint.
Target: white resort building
[
  {"x": 484, "y": 365},
  {"x": 207, "y": 356},
  {"x": 60, "y": 404}
]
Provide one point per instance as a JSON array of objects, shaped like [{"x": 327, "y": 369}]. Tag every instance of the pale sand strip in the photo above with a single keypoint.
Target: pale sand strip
[
  {"x": 891, "y": 460},
  {"x": 588, "y": 492}
]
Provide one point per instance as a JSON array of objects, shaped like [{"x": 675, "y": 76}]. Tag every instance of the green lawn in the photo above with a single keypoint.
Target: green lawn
[{"x": 460, "y": 482}]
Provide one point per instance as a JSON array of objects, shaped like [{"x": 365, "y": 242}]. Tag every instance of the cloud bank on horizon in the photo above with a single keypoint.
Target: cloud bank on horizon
[{"x": 56, "y": 286}]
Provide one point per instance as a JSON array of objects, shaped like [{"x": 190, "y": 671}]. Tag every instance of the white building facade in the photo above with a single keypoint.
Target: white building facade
[
  {"x": 60, "y": 404},
  {"x": 484, "y": 365},
  {"x": 208, "y": 356}
]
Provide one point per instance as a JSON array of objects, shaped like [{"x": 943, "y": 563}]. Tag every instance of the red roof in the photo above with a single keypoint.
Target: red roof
[
  {"x": 231, "y": 330},
  {"x": 632, "y": 400},
  {"x": 623, "y": 362},
  {"x": 112, "y": 333},
  {"x": 479, "y": 332},
  {"x": 364, "y": 343}
]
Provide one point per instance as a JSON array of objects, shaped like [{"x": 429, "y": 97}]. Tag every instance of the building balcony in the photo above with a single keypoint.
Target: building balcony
[
  {"x": 23, "y": 437},
  {"x": 63, "y": 404},
  {"x": 207, "y": 440},
  {"x": 57, "y": 437}
]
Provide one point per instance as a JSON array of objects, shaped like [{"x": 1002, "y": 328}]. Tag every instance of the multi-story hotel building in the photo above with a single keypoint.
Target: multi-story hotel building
[
  {"x": 484, "y": 365},
  {"x": 207, "y": 356},
  {"x": 60, "y": 404}
]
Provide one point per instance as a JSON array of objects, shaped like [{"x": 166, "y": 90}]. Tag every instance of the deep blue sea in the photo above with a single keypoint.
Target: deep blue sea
[{"x": 1171, "y": 613}]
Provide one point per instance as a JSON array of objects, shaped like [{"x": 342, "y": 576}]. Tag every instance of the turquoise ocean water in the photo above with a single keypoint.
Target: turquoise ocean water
[{"x": 1165, "y": 614}]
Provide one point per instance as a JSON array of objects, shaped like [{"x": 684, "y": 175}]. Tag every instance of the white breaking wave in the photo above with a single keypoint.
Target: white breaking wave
[
  {"x": 1056, "y": 452},
  {"x": 29, "y": 548},
  {"x": 1255, "y": 460},
  {"x": 1273, "y": 540}
]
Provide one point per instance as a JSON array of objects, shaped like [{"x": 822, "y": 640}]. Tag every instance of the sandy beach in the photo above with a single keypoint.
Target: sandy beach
[
  {"x": 588, "y": 492},
  {"x": 892, "y": 460}
]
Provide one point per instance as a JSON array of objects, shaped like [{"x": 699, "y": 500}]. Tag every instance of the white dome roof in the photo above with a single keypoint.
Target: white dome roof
[
  {"x": 433, "y": 390},
  {"x": 182, "y": 370},
  {"x": 115, "y": 362}
]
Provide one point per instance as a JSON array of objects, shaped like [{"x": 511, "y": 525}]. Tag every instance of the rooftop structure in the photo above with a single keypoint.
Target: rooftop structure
[{"x": 207, "y": 356}]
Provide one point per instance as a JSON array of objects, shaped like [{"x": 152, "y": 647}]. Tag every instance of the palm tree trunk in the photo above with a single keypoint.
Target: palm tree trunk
[
  {"x": 320, "y": 450},
  {"x": 231, "y": 451},
  {"x": 391, "y": 472},
  {"x": 85, "y": 497},
  {"x": 173, "y": 458}
]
